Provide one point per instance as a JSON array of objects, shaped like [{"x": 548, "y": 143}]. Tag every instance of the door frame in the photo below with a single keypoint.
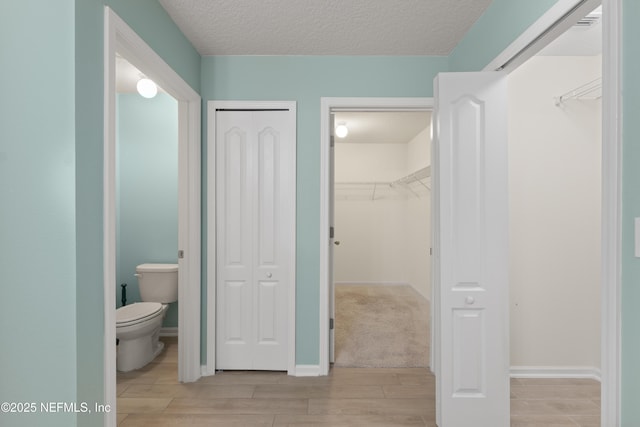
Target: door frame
[
  {"x": 326, "y": 105},
  {"x": 554, "y": 22},
  {"x": 212, "y": 106},
  {"x": 119, "y": 37},
  {"x": 526, "y": 45}
]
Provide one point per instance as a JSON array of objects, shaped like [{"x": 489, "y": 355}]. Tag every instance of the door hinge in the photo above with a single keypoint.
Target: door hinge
[
  {"x": 180, "y": 254},
  {"x": 330, "y": 323},
  {"x": 430, "y": 251},
  {"x": 331, "y": 232}
]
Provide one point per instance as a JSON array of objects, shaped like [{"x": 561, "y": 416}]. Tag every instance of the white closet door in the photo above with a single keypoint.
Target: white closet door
[
  {"x": 255, "y": 229},
  {"x": 471, "y": 243}
]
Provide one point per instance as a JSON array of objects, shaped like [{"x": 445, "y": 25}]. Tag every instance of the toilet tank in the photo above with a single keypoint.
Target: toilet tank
[{"x": 158, "y": 282}]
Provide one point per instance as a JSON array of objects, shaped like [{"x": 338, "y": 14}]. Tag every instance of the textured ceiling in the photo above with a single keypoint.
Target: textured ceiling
[{"x": 324, "y": 27}]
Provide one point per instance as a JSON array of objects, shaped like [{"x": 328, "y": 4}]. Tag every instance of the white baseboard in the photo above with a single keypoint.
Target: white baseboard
[
  {"x": 301, "y": 371},
  {"x": 373, "y": 283},
  {"x": 307, "y": 371},
  {"x": 586, "y": 372},
  {"x": 169, "y": 332},
  {"x": 205, "y": 372}
]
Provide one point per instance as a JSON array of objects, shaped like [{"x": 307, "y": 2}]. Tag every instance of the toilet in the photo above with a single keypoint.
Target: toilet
[{"x": 138, "y": 324}]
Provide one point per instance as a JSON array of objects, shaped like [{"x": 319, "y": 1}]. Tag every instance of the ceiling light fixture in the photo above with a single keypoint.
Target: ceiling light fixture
[
  {"x": 342, "y": 130},
  {"x": 147, "y": 88}
]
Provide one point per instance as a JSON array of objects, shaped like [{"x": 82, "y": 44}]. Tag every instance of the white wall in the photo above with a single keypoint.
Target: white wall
[
  {"x": 554, "y": 190},
  {"x": 369, "y": 162},
  {"x": 385, "y": 240},
  {"x": 419, "y": 218},
  {"x": 419, "y": 151},
  {"x": 371, "y": 232},
  {"x": 372, "y": 241}
]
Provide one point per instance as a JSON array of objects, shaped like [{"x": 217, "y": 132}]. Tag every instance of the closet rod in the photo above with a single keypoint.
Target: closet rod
[
  {"x": 363, "y": 183},
  {"x": 418, "y": 175}
]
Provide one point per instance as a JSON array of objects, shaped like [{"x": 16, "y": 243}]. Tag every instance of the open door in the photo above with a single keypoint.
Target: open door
[{"x": 470, "y": 229}]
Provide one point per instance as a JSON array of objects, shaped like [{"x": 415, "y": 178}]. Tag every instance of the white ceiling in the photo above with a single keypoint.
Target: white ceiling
[
  {"x": 324, "y": 27},
  {"x": 127, "y": 76},
  {"x": 386, "y": 127}
]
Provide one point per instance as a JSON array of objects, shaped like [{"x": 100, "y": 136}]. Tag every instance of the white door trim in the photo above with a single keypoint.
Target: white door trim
[
  {"x": 211, "y": 233},
  {"x": 326, "y": 105},
  {"x": 118, "y": 36},
  {"x": 524, "y": 47},
  {"x": 610, "y": 365}
]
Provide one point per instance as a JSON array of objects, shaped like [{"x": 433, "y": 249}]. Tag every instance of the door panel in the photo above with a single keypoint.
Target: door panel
[
  {"x": 234, "y": 331},
  {"x": 236, "y": 197},
  {"x": 255, "y": 221},
  {"x": 267, "y": 182},
  {"x": 472, "y": 369},
  {"x": 468, "y": 353},
  {"x": 267, "y": 319}
]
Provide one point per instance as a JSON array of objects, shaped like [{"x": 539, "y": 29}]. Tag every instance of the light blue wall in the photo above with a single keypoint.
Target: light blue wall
[
  {"x": 147, "y": 192},
  {"x": 306, "y": 79},
  {"x": 37, "y": 208},
  {"x": 152, "y": 23},
  {"x": 631, "y": 210},
  {"x": 88, "y": 181},
  {"x": 501, "y": 24},
  {"x": 51, "y": 157}
]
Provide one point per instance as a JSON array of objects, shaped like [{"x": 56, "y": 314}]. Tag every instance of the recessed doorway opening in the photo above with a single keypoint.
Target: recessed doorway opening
[{"x": 382, "y": 238}]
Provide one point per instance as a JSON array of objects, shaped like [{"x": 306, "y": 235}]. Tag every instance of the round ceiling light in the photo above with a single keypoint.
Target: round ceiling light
[
  {"x": 342, "y": 130},
  {"x": 147, "y": 88}
]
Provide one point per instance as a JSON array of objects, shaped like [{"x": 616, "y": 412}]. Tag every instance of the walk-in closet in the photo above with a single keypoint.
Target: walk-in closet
[{"x": 382, "y": 266}]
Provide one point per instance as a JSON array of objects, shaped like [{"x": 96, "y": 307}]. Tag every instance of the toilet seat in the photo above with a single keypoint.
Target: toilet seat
[{"x": 137, "y": 313}]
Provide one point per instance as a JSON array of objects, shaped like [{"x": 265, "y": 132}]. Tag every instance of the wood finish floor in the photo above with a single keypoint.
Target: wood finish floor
[{"x": 153, "y": 397}]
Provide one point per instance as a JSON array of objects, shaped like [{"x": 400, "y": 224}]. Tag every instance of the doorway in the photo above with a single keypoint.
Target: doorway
[
  {"x": 119, "y": 37},
  {"x": 381, "y": 238},
  {"x": 539, "y": 34},
  {"x": 549, "y": 27},
  {"x": 147, "y": 185},
  {"x": 555, "y": 179},
  {"x": 327, "y": 308}
]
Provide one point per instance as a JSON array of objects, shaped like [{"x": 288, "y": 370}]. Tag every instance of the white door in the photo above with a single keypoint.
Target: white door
[
  {"x": 255, "y": 227},
  {"x": 471, "y": 248},
  {"x": 332, "y": 241}
]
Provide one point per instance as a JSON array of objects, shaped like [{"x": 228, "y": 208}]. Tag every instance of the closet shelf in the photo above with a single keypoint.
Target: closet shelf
[
  {"x": 417, "y": 176},
  {"x": 590, "y": 90},
  {"x": 375, "y": 190}
]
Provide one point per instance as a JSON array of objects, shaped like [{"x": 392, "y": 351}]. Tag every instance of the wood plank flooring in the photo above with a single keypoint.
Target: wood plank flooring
[{"x": 152, "y": 396}]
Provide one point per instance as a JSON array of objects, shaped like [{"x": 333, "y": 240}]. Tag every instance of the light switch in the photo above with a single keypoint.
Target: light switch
[{"x": 637, "y": 240}]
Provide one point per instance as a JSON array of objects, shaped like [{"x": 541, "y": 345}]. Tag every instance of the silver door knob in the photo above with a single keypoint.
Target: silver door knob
[
  {"x": 469, "y": 300},
  {"x": 337, "y": 243},
  {"x": 269, "y": 275}
]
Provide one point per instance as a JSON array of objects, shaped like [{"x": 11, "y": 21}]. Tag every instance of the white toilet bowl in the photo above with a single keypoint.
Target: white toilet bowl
[{"x": 137, "y": 329}]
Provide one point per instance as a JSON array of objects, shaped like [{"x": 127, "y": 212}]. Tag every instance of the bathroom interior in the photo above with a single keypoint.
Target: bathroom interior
[{"x": 147, "y": 221}]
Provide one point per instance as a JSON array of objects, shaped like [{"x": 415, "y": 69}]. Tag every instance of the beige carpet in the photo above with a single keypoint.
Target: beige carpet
[{"x": 380, "y": 326}]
